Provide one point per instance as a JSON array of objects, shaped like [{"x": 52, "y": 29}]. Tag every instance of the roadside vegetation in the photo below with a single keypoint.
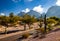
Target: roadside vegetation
[{"x": 45, "y": 24}]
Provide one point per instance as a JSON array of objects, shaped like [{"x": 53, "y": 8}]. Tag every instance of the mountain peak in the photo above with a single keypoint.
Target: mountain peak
[
  {"x": 53, "y": 11},
  {"x": 32, "y": 13}
]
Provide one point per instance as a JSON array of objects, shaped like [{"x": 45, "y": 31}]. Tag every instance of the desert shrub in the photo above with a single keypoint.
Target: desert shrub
[
  {"x": 30, "y": 27},
  {"x": 26, "y": 35},
  {"x": 49, "y": 27},
  {"x": 38, "y": 29},
  {"x": 41, "y": 33},
  {"x": 41, "y": 30}
]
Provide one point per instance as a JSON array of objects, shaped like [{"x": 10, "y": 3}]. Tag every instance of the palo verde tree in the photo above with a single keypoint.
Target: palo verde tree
[
  {"x": 13, "y": 19},
  {"x": 27, "y": 19},
  {"x": 40, "y": 20},
  {"x": 4, "y": 21},
  {"x": 11, "y": 15}
]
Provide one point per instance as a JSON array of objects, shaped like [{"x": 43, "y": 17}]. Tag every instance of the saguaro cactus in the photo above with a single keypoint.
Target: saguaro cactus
[{"x": 45, "y": 26}]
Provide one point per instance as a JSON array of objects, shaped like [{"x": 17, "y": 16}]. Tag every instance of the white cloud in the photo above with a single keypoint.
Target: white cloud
[
  {"x": 38, "y": 9},
  {"x": 26, "y": 10},
  {"x": 58, "y": 3},
  {"x": 2, "y": 14}
]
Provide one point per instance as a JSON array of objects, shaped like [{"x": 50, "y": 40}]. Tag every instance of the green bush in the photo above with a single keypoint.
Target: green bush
[
  {"x": 40, "y": 29},
  {"x": 49, "y": 27}
]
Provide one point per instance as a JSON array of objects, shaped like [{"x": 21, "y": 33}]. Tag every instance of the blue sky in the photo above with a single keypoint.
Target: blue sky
[{"x": 16, "y": 6}]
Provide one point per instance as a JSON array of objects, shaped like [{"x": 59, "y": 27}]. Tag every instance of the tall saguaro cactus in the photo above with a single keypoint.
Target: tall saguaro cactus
[{"x": 45, "y": 24}]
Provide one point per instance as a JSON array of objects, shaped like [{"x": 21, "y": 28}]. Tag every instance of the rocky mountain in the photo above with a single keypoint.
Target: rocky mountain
[
  {"x": 53, "y": 11},
  {"x": 32, "y": 13},
  {"x": 21, "y": 13}
]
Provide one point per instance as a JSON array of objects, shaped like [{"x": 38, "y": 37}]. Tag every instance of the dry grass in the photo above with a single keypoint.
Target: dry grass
[{"x": 26, "y": 35}]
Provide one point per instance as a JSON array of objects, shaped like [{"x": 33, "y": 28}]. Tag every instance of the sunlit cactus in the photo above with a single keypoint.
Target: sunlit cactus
[{"x": 45, "y": 26}]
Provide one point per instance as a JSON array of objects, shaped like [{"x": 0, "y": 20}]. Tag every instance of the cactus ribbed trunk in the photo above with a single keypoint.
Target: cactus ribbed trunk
[{"x": 45, "y": 26}]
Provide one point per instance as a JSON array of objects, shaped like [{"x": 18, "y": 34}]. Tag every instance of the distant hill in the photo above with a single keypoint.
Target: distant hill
[
  {"x": 32, "y": 13},
  {"x": 21, "y": 13},
  {"x": 53, "y": 11}
]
